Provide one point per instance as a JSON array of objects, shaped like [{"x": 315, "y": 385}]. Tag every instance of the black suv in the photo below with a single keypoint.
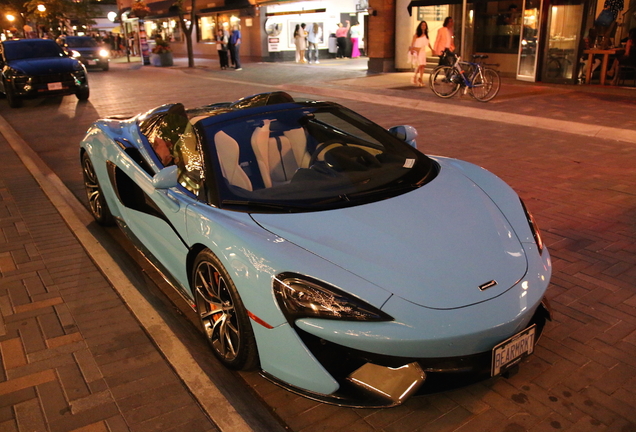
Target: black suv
[
  {"x": 39, "y": 67},
  {"x": 88, "y": 51}
]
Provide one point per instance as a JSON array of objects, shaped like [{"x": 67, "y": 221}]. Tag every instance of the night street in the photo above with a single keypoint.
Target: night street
[{"x": 579, "y": 187}]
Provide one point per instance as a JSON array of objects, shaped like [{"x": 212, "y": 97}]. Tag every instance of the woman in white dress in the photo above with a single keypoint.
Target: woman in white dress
[
  {"x": 300, "y": 40},
  {"x": 418, "y": 52}
]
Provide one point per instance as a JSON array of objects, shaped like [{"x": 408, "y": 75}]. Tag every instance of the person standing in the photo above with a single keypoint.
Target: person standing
[
  {"x": 235, "y": 45},
  {"x": 341, "y": 38},
  {"x": 222, "y": 39},
  {"x": 419, "y": 43},
  {"x": 300, "y": 38},
  {"x": 355, "y": 40},
  {"x": 314, "y": 38},
  {"x": 445, "y": 38}
]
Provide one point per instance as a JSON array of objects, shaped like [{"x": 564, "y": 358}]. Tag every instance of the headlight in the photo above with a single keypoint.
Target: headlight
[
  {"x": 303, "y": 297},
  {"x": 103, "y": 53},
  {"x": 534, "y": 228},
  {"x": 75, "y": 54}
]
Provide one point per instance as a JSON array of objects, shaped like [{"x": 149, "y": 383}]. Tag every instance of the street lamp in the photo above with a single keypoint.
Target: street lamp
[
  {"x": 41, "y": 8},
  {"x": 10, "y": 18}
]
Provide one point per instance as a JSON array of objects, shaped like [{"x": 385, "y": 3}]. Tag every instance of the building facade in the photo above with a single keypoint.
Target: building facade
[{"x": 532, "y": 40}]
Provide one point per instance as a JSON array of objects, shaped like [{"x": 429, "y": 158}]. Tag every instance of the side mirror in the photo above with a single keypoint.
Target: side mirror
[
  {"x": 166, "y": 178},
  {"x": 405, "y": 133}
]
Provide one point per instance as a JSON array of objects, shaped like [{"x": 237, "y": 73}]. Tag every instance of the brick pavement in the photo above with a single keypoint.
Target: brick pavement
[
  {"x": 73, "y": 357},
  {"x": 581, "y": 190}
]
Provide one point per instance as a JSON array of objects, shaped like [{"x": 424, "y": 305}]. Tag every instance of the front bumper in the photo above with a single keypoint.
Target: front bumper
[
  {"x": 374, "y": 380},
  {"x": 50, "y": 85},
  {"x": 94, "y": 62}
]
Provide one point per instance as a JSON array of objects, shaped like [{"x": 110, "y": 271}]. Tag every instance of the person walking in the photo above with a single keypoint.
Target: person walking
[
  {"x": 419, "y": 43},
  {"x": 234, "y": 45},
  {"x": 313, "y": 39},
  {"x": 341, "y": 38},
  {"x": 445, "y": 39},
  {"x": 222, "y": 39}
]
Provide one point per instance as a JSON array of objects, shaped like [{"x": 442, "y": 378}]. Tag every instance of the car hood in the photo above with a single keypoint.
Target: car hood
[
  {"x": 434, "y": 246},
  {"x": 44, "y": 66}
]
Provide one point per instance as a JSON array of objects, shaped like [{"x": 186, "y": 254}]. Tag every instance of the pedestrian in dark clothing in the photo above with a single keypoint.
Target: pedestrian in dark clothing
[
  {"x": 222, "y": 39},
  {"x": 235, "y": 45}
]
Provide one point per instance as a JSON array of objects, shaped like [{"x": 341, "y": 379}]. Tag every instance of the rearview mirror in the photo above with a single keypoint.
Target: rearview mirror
[
  {"x": 166, "y": 178},
  {"x": 405, "y": 133}
]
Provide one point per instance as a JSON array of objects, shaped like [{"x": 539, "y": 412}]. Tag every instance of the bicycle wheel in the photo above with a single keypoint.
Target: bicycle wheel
[
  {"x": 444, "y": 81},
  {"x": 485, "y": 85}
]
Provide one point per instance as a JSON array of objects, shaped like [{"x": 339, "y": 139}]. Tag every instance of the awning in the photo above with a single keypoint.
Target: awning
[
  {"x": 422, "y": 3},
  {"x": 229, "y": 5},
  {"x": 162, "y": 9}
]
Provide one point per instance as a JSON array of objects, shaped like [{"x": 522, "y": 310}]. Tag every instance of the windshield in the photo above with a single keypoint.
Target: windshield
[
  {"x": 30, "y": 49},
  {"x": 81, "y": 42},
  {"x": 310, "y": 158}
]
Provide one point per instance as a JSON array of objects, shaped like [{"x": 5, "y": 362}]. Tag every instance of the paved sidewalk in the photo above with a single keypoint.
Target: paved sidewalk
[{"x": 73, "y": 357}]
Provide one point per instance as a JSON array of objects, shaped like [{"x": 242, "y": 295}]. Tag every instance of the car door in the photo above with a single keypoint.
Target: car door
[{"x": 154, "y": 206}]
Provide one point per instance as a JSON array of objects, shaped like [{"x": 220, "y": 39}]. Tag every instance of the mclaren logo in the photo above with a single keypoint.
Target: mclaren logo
[{"x": 487, "y": 285}]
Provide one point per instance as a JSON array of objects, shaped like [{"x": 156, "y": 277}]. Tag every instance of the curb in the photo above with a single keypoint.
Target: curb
[{"x": 217, "y": 407}]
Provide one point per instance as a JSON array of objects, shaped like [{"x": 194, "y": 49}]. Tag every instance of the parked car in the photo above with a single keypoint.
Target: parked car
[
  {"x": 39, "y": 67},
  {"x": 88, "y": 51},
  {"x": 326, "y": 250}
]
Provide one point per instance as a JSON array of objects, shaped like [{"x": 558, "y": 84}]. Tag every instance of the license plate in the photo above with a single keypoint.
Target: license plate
[
  {"x": 92, "y": 62},
  {"x": 512, "y": 350},
  {"x": 55, "y": 86}
]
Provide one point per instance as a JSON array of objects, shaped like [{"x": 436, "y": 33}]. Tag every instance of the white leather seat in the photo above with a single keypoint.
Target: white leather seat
[
  {"x": 279, "y": 157},
  {"x": 228, "y": 151}
]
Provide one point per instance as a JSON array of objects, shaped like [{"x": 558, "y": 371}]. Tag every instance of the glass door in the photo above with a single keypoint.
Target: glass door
[
  {"x": 564, "y": 29},
  {"x": 530, "y": 37}
]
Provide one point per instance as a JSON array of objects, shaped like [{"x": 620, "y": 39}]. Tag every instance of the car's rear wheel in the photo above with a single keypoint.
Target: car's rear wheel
[
  {"x": 83, "y": 94},
  {"x": 14, "y": 100},
  {"x": 223, "y": 317},
  {"x": 96, "y": 202}
]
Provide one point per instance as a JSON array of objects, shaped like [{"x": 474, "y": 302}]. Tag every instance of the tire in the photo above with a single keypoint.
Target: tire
[
  {"x": 485, "y": 85},
  {"x": 83, "y": 94},
  {"x": 106, "y": 66},
  {"x": 13, "y": 100},
  {"x": 96, "y": 202},
  {"x": 441, "y": 82},
  {"x": 223, "y": 317}
]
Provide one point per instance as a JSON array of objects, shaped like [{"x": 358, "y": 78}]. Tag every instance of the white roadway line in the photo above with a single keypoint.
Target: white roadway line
[
  {"x": 222, "y": 413},
  {"x": 584, "y": 129}
]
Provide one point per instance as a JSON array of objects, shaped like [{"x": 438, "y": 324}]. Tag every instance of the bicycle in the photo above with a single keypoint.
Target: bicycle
[{"x": 483, "y": 82}]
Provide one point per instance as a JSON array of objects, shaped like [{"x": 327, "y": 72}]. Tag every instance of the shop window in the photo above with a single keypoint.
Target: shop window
[
  {"x": 497, "y": 26},
  {"x": 207, "y": 29}
]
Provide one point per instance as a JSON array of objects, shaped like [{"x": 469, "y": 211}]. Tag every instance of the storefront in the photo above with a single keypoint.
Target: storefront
[
  {"x": 280, "y": 21},
  {"x": 532, "y": 40}
]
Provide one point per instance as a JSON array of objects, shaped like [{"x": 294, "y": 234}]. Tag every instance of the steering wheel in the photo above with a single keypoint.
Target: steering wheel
[{"x": 322, "y": 148}]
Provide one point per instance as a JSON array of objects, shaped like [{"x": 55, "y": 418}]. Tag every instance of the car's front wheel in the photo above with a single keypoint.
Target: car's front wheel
[
  {"x": 13, "y": 99},
  {"x": 223, "y": 317},
  {"x": 96, "y": 202},
  {"x": 83, "y": 94}
]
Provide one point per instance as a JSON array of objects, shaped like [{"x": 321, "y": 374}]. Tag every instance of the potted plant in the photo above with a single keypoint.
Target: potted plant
[
  {"x": 140, "y": 9},
  {"x": 161, "y": 53}
]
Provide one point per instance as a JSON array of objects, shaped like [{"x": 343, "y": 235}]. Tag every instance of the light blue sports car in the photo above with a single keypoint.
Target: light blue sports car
[{"x": 323, "y": 249}]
